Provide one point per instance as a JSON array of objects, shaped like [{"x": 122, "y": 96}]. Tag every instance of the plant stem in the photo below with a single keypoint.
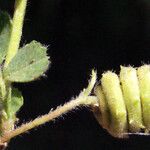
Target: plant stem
[
  {"x": 17, "y": 25},
  {"x": 16, "y": 32},
  {"x": 81, "y": 100}
]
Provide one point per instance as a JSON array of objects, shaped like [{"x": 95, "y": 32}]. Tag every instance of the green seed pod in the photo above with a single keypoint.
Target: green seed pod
[
  {"x": 124, "y": 105},
  {"x": 144, "y": 85},
  {"x": 104, "y": 115},
  {"x": 131, "y": 93},
  {"x": 112, "y": 90}
]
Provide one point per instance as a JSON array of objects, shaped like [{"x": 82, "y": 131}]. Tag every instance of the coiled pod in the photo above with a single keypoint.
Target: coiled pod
[{"x": 124, "y": 101}]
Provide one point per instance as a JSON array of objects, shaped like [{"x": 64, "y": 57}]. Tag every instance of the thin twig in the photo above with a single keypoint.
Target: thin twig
[
  {"x": 49, "y": 117},
  {"x": 82, "y": 99}
]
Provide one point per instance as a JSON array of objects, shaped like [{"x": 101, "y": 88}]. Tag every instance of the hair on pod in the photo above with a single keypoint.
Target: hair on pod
[{"x": 124, "y": 101}]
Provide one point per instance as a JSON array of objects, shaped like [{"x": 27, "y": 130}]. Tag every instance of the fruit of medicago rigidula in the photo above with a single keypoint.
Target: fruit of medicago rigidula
[
  {"x": 131, "y": 94},
  {"x": 144, "y": 85},
  {"x": 114, "y": 104},
  {"x": 124, "y": 101}
]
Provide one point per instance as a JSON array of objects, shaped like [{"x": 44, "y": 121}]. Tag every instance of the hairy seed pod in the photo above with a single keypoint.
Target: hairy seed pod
[
  {"x": 104, "y": 115},
  {"x": 124, "y": 101},
  {"x": 112, "y": 90},
  {"x": 144, "y": 85},
  {"x": 131, "y": 93}
]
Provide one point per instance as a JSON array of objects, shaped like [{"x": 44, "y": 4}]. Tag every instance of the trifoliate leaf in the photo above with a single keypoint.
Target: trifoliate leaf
[
  {"x": 5, "y": 32},
  {"x": 29, "y": 63},
  {"x": 14, "y": 102}
]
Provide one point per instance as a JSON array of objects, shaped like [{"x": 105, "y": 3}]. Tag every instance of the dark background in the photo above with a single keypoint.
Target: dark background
[{"x": 81, "y": 35}]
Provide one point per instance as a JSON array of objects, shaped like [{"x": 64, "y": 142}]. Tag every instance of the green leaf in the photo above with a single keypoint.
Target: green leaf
[
  {"x": 5, "y": 32},
  {"x": 14, "y": 102},
  {"x": 29, "y": 63}
]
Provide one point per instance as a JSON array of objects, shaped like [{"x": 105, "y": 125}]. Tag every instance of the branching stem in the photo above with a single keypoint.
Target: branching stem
[
  {"x": 84, "y": 98},
  {"x": 81, "y": 100}
]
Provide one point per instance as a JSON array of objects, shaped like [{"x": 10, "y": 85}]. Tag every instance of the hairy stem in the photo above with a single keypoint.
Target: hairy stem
[
  {"x": 81, "y": 100},
  {"x": 17, "y": 25},
  {"x": 16, "y": 32}
]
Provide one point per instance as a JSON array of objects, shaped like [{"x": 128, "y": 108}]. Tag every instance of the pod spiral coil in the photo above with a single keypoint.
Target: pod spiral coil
[{"x": 124, "y": 101}]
